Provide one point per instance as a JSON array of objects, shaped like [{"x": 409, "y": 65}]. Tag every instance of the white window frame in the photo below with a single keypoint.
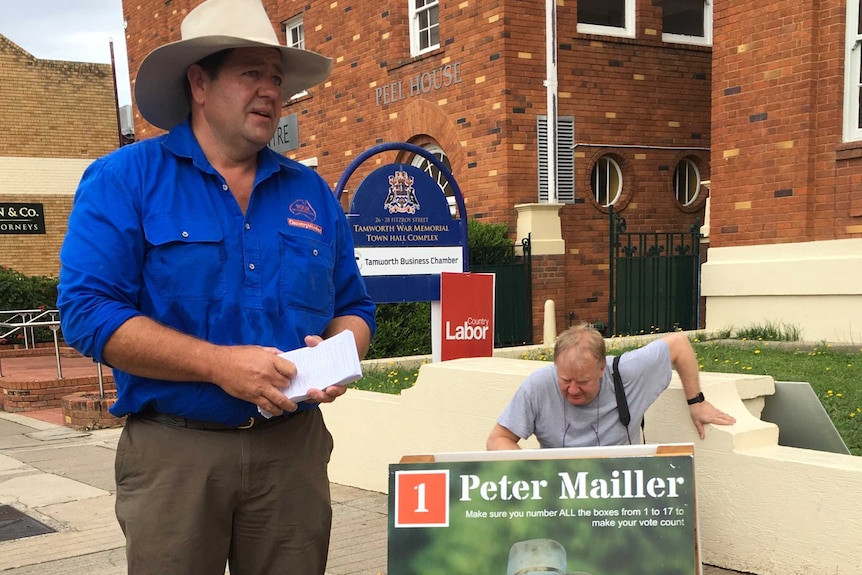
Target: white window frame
[
  {"x": 415, "y": 32},
  {"x": 614, "y": 197},
  {"x": 289, "y": 26},
  {"x": 434, "y": 172},
  {"x": 627, "y": 31},
  {"x": 691, "y": 170},
  {"x": 852, "y": 73},
  {"x": 705, "y": 40}
]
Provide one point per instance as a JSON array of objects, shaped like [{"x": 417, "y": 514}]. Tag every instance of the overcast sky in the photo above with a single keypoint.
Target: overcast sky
[{"x": 74, "y": 30}]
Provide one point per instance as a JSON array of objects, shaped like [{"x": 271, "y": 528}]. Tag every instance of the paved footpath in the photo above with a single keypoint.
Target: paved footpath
[{"x": 64, "y": 479}]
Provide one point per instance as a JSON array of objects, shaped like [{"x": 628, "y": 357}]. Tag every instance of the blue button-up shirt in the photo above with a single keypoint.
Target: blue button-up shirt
[{"x": 155, "y": 231}]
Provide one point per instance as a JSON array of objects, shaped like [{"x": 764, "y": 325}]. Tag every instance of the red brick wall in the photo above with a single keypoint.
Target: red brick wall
[
  {"x": 780, "y": 171},
  {"x": 645, "y": 99}
]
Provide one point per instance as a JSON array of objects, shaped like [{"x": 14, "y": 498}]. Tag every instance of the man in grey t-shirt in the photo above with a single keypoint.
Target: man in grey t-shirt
[{"x": 572, "y": 402}]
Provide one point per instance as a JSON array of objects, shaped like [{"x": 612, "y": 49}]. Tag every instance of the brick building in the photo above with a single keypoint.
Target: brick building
[
  {"x": 786, "y": 202},
  {"x": 50, "y": 131},
  {"x": 464, "y": 79}
]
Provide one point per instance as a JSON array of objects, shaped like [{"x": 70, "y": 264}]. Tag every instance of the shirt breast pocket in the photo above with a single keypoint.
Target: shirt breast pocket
[
  {"x": 186, "y": 259},
  {"x": 306, "y": 274}
]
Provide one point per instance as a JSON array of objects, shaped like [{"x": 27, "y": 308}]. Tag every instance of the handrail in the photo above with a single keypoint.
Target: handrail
[{"x": 28, "y": 322}]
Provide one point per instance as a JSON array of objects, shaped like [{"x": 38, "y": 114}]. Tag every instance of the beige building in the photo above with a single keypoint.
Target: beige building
[{"x": 55, "y": 118}]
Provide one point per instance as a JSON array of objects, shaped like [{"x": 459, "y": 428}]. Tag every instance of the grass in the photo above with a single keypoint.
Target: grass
[{"x": 835, "y": 375}]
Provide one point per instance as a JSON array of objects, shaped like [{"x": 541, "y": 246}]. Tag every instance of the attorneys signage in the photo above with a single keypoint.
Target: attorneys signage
[{"x": 22, "y": 218}]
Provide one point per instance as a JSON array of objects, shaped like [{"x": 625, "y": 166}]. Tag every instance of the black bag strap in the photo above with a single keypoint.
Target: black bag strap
[{"x": 622, "y": 402}]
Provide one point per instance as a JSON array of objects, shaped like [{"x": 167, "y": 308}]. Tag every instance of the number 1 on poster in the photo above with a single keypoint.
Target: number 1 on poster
[{"x": 422, "y": 498}]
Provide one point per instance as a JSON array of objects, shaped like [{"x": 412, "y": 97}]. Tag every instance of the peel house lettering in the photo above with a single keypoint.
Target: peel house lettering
[{"x": 422, "y": 83}]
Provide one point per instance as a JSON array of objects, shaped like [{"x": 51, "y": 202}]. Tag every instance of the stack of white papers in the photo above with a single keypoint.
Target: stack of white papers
[{"x": 333, "y": 361}]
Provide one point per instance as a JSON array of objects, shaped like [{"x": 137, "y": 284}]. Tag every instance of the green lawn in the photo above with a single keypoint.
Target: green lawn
[{"x": 834, "y": 374}]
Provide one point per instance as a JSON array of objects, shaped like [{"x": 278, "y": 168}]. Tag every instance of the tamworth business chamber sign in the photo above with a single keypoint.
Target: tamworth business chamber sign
[
  {"x": 404, "y": 233},
  {"x": 22, "y": 218}
]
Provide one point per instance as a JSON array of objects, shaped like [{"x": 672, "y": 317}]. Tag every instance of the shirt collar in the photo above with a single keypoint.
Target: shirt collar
[{"x": 181, "y": 142}]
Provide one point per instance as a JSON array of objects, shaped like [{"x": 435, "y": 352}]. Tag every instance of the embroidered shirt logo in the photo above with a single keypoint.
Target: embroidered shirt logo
[
  {"x": 305, "y": 216},
  {"x": 401, "y": 198}
]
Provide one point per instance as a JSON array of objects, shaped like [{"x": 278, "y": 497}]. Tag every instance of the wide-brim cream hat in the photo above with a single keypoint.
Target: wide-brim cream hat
[{"x": 213, "y": 26}]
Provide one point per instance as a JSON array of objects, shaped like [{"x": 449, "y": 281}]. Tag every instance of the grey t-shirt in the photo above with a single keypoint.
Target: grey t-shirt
[{"x": 538, "y": 407}]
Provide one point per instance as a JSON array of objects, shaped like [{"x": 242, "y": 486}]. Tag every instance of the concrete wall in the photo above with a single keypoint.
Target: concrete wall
[
  {"x": 762, "y": 508},
  {"x": 817, "y": 285}
]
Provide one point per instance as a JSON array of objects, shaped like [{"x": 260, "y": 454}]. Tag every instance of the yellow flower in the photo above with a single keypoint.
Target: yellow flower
[
  {"x": 852, "y": 415},
  {"x": 756, "y": 351},
  {"x": 827, "y": 368},
  {"x": 839, "y": 395}
]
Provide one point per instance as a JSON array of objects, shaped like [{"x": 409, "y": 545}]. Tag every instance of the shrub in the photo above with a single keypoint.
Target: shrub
[
  {"x": 402, "y": 329},
  {"x": 19, "y": 292}
]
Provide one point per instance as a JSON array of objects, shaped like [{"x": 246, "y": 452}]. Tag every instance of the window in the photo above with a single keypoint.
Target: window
[
  {"x": 294, "y": 33},
  {"x": 565, "y": 158},
  {"x": 608, "y": 17},
  {"x": 853, "y": 73},
  {"x": 686, "y": 182},
  {"x": 687, "y": 21},
  {"x": 429, "y": 168},
  {"x": 424, "y": 26},
  {"x": 606, "y": 181}
]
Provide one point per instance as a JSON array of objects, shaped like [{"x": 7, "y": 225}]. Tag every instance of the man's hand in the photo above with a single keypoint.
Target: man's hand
[
  {"x": 257, "y": 375},
  {"x": 705, "y": 412}
]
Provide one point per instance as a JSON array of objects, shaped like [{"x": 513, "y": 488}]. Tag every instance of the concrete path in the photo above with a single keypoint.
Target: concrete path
[{"x": 65, "y": 480}]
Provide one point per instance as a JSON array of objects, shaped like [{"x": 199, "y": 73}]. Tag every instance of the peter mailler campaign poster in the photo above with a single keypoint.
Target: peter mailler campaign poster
[{"x": 632, "y": 515}]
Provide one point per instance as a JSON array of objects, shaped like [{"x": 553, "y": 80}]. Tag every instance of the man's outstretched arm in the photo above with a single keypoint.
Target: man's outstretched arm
[
  {"x": 502, "y": 439},
  {"x": 684, "y": 362}
]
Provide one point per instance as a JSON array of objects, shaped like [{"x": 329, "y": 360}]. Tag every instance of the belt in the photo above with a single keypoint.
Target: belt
[{"x": 254, "y": 422}]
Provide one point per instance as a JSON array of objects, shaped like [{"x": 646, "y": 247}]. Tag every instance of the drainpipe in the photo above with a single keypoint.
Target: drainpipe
[{"x": 551, "y": 85}]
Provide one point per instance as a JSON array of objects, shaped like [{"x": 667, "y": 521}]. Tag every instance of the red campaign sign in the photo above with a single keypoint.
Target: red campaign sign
[
  {"x": 422, "y": 498},
  {"x": 467, "y": 313}
]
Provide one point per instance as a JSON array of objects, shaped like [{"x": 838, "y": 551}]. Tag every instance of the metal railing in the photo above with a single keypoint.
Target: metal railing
[{"x": 25, "y": 321}]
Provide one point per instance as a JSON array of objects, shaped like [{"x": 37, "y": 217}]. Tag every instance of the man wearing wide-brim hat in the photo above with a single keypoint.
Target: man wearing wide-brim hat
[{"x": 191, "y": 260}]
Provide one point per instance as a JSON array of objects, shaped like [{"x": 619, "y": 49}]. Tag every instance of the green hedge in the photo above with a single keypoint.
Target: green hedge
[{"x": 19, "y": 291}]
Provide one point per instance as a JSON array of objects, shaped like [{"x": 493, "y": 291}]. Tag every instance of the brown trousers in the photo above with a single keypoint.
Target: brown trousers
[{"x": 190, "y": 501}]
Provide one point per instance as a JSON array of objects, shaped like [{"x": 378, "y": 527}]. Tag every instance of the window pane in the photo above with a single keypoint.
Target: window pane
[
  {"x": 858, "y": 18},
  {"x": 859, "y": 111},
  {"x": 606, "y": 181},
  {"x": 602, "y": 12},
  {"x": 684, "y": 17},
  {"x": 686, "y": 182}
]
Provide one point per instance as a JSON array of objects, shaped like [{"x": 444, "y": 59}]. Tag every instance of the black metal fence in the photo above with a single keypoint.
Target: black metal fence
[
  {"x": 513, "y": 293},
  {"x": 654, "y": 280}
]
